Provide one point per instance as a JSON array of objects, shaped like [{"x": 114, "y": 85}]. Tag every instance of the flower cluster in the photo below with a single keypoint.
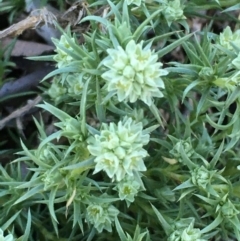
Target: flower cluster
[
  {"x": 62, "y": 58},
  {"x": 227, "y": 209},
  {"x": 206, "y": 73},
  {"x": 73, "y": 86},
  {"x": 128, "y": 189},
  {"x": 185, "y": 233},
  {"x": 227, "y": 37},
  {"x": 52, "y": 179},
  {"x": 182, "y": 145},
  {"x": 134, "y": 2},
  {"x": 75, "y": 82},
  {"x": 119, "y": 148},
  {"x": 173, "y": 10},
  {"x": 134, "y": 73},
  {"x": 71, "y": 128},
  {"x": 190, "y": 233},
  {"x": 45, "y": 154},
  {"x": 202, "y": 177},
  {"x": 101, "y": 216},
  {"x": 57, "y": 90}
]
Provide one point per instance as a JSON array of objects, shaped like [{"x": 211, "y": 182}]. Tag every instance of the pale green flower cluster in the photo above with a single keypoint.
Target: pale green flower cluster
[
  {"x": 188, "y": 233},
  {"x": 119, "y": 148},
  {"x": 52, "y": 179},
  {"x": 9, "y": 237},
  {"x": 45, "y": 154},
  {"x": 56, "y": 90},
  {"x": 173, "y": 11},
  {"x": 134, "y": 73},
  {"x": 128, "y": 188},
  {"x": 71, "y": 128},
  {"x": 229, "y": 83},
  {"x": 134, "y": 2},
  {"x": 62, "y": 58},
  {"x": 201, "y": 177},
  {"x": 184, "y": 145},
  {"x": 73, "y": 86},
  {"x": 101, "y": 216},
  {"x": 228, "y": 210},
  {"x": 206, "y": 73},
  {"x": 227, "y": 37},
  {"x": 75, "y": 82}
]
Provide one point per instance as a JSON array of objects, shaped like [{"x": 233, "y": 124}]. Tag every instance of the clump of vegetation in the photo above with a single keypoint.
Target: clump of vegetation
[{"x": 144, "y": 148}]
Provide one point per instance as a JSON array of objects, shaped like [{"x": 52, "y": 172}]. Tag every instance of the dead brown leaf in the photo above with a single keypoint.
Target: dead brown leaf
[{"x": 26, "y": 48}]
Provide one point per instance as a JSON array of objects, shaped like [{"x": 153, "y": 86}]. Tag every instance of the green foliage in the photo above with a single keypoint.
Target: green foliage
[
  {"x": 13, "y": 6},
  {"x": 5, "y": 63},
  {"x": 126, "y": 161}
]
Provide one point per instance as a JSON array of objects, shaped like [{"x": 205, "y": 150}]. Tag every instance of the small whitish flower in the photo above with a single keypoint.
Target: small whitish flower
[
  {"x": 101, "y": 216},
  {"x": 119, "y": 148},
  {"x": 62, "y": 58},
  {"x": 185, "y": 232},
  {"x": 127, "y": 189},
  {"x": 75, "y": 82},
  {"x": 134, "y": 73},
  {"x": 184, "y": 145},
  {"x": 228, "y": 210},
  {"x": 206, "y": 73},
  {"x": 182, "y": 223},
  {"x": 191, "y": 233},
  {"x": 173, "y": 11},
  {"x": 107, "y": 162},
  {"x": 229, "y": 83},
  {"x": 134, "y": 2},
  {"x": 201, "y": 177},
  {"x": 52, "y": 179},
  {"x": 9, "y": 237},
  {"x": 71, "y": 128},
  {"x": 227, "y": 37},
  {"x": 57, "y": 90},
  {"x": 46, "y": 154}
]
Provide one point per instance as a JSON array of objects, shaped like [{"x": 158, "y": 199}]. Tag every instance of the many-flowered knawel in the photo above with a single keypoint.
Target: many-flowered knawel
[
  {"x": 62, "y": 57},
  {"x": 101, "y": 216},
  {"x": 134, "y": 73},
  {"x": 138, "y": 136},
  {"x": 119, "y": 149}
]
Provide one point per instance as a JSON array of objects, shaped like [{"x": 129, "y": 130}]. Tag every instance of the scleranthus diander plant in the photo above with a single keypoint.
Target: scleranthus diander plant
[
  {"x": 119, "y": 149},
  {"x": 143, "y": 148},
  {"x": 134, "y": 73}
]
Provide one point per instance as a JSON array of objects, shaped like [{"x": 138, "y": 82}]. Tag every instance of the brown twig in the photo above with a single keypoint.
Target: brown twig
[
  {"x": 32, "y": 21},
  {"x": 20, "y": 112},
  {"x": 39, "y": 17},
  {"x": 18, "y": 28}
]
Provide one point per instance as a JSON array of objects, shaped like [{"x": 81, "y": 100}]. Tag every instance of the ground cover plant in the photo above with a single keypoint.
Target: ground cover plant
[{"x": 145, "y": 144}]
